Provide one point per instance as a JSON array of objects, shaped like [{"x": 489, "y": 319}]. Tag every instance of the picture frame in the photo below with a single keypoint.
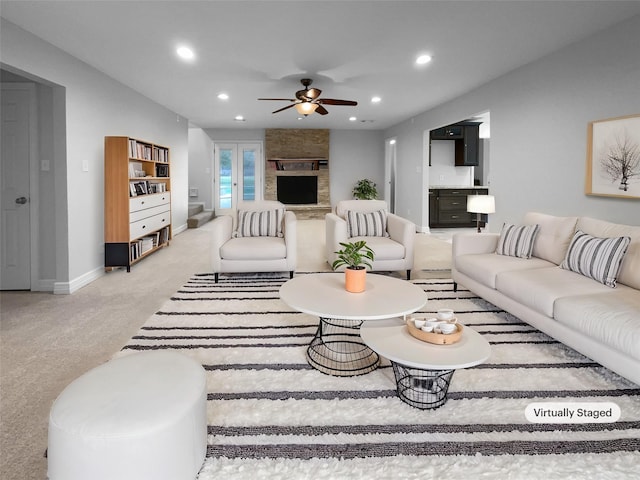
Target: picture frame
[{"x": 613, "y": 157}]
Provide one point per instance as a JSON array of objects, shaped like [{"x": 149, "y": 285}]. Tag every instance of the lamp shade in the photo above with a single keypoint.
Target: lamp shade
[
  {"x": 305, "y": 108},
  {"x": 481, "y": 203}
]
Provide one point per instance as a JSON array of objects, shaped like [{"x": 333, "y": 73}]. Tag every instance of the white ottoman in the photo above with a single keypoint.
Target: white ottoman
[{"x": 139, "y": 417}]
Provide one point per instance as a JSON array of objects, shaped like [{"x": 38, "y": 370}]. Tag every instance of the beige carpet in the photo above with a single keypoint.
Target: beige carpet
[{"x": 46, "y": 341}]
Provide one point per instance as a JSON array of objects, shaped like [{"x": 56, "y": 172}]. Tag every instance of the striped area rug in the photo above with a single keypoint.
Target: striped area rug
[{"x": 272, "y": 416}]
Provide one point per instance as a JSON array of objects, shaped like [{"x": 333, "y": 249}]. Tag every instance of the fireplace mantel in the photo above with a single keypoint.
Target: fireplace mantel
[{"x": 301, "y": 163}]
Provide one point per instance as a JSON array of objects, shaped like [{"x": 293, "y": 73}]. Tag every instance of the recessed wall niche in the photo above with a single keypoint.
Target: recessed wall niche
[{"x": 293, "y": 152}]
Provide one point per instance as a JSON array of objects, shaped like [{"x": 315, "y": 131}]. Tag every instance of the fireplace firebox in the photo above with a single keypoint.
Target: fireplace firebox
[{"x": 297, "y": 189}]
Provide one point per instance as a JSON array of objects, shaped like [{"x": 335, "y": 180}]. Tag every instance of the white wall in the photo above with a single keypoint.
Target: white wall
[
  {"x": 539, "y": 117},
  {"x": 355, "y": 155},
  {"x": 95, "y": 106}
]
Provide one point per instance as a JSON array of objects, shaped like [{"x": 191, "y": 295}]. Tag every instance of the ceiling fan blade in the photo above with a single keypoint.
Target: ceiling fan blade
[
  {"x": 313, "y": 93},
  {"x": 284, "y": 108},
  {"x": 279, "y": 99},
  {"x": 321, "y": 110},
  {"x": 333, "y": 101}
]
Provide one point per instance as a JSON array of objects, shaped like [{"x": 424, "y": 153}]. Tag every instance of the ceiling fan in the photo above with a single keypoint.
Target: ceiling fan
[{"x": 307, "y": 101}]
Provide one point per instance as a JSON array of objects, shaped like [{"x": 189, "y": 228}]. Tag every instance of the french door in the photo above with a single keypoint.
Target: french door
[{"x": 238, "y": 175}]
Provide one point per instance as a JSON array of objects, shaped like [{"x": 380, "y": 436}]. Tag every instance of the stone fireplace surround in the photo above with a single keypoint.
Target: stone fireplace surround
[{"x": 295, "y": 153}]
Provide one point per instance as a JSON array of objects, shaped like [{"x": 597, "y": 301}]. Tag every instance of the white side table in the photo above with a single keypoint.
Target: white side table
[
  {"x": 337, "y": 348},
  {"x": 423, "y": 370}
]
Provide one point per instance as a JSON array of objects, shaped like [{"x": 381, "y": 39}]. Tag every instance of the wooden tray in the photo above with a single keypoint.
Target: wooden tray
[{"x": 432, "y": 337}]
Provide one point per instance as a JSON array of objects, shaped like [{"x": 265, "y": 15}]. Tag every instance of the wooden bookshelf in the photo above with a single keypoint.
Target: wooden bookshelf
[{"x": 137, "y": 200}]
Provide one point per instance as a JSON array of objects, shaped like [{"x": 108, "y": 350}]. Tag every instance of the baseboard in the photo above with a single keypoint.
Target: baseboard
[{"x": 66, "y": 288}]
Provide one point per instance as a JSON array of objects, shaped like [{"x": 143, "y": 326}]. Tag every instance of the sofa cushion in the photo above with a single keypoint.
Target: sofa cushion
[
  {"x": 630, "y": 270},
  {"x": 485, "y": 267},
  {"x": 539, "y": 288},
  {"x": 597, "y": 258},
  {"x": 254, "y": 248},
  {"x": 612, "y": 317},
  {"x": 370, "y": 224},
  {"x": 265, "y": 223},
  {"x": 553, "y": 237},
  {"x": 517, "y": 241},
  {"x": 383, "y": 247}
]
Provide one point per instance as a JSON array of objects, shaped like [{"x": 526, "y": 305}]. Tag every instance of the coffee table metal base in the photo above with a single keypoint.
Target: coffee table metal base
[
  {"x": 423, "y": 389},
  {"x": 338, "y": 350}
]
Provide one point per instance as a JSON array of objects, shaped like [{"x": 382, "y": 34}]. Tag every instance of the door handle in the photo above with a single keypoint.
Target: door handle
[{"x": 21, "y": 200}]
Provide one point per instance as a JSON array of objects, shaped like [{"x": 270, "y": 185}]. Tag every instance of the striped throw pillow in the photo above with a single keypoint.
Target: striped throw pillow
[
  {"x": 517, "y": 241},
  {"x": 371, "y": 224},
  {"x": 596, "y": 258},
  {"x": 266, "y": 223}
]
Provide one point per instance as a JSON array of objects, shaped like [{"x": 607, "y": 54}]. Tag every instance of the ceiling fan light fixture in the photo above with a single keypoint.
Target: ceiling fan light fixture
[{"x": 306, "y": 108}]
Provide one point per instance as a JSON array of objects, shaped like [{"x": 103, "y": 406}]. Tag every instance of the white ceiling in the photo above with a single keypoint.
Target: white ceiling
[{"x": 351, "y": 49}]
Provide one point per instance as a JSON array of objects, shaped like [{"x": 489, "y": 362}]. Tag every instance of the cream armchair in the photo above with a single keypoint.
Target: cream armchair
[
  {"x": 392, "y": 244},
  {"x": 260, "y": 237}
]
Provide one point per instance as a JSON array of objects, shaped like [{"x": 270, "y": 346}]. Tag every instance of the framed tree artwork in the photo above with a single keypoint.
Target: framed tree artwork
[{"x": 613, "y": 157}]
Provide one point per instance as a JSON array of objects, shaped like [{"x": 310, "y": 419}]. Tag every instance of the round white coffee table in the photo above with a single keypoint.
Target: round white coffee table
[
  {"x": 423, "y": 370},
  {"x": 337, "y": 348}
]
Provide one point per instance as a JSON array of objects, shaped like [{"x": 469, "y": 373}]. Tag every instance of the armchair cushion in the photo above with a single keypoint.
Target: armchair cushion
[
  {"x": 264, "y": 223},
  {"x": 384, "y": 247},
  {"x": 254, "y": 248},
  {"x": 371, "y": 224}
]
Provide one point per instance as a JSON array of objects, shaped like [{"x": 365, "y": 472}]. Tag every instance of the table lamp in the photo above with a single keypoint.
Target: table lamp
[{"x": 479, "y": 204}]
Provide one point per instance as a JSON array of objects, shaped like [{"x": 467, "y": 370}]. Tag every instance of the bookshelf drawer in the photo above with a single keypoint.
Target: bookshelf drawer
[
  {"x": 149, "y": 225},
  {"x": 148, "y": 201},
  {"x": 148, "y": 212}
]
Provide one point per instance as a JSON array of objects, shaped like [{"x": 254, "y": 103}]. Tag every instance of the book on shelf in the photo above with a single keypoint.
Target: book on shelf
[
  {"x": 161, "y": 154},
  {"x": 139, "y": 150}
]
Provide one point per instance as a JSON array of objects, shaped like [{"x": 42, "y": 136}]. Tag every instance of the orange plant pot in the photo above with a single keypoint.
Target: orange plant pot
[{"x": 355, "y": 280}]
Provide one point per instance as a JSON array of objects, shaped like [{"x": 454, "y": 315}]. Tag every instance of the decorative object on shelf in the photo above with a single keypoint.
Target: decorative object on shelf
[
  {"x": 479, "y": 204},
  {"x": 365, "y": 189},
  {"x": 613, "y": 157},
  {"x": 356, "y": 256}
]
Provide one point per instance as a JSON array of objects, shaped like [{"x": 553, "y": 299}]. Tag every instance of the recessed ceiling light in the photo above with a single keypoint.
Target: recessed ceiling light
[
  {"x": 352, "y": 119},
  {"x": 185, "y": 52},
  {"x": 239, "y": 118},
  {"x": 423, "y": 59},
  {"x": 223, "y": 96},
  {"x": 376, "y": 99}
]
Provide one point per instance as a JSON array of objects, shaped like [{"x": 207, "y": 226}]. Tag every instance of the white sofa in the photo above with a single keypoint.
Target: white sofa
[
  {"x": 598, "y": 321},
  {"x": 392, "y": 252},
  {"x": 254, "y": 253}
]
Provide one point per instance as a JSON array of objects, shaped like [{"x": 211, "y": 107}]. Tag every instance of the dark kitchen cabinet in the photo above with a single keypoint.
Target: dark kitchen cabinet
[
  {"x": 466, "y": 149},
  {"x": 451, "y": 132},
  {"x": 448, "y": 207}
]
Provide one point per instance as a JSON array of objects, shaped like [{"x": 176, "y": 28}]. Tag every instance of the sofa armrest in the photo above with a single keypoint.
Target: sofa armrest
[
  {"x": 402, "y": 231},
  {"x": 290, "y": 230},
  {"x": 335, "y": 232},
  {"x": 464, "y": 243},
  {"x": 221, "y": 231}
]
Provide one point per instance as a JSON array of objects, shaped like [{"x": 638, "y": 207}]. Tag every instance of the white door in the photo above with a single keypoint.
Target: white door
[
  {"x": 15, "y": 271},
  {"x": 390, "y": 174},
  {"x": 238, "y": 175}
]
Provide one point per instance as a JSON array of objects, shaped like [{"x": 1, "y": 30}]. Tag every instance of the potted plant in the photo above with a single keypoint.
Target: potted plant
[
  {"x": 356, "y": 256},
  {"x": 365, "y": 189}
]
